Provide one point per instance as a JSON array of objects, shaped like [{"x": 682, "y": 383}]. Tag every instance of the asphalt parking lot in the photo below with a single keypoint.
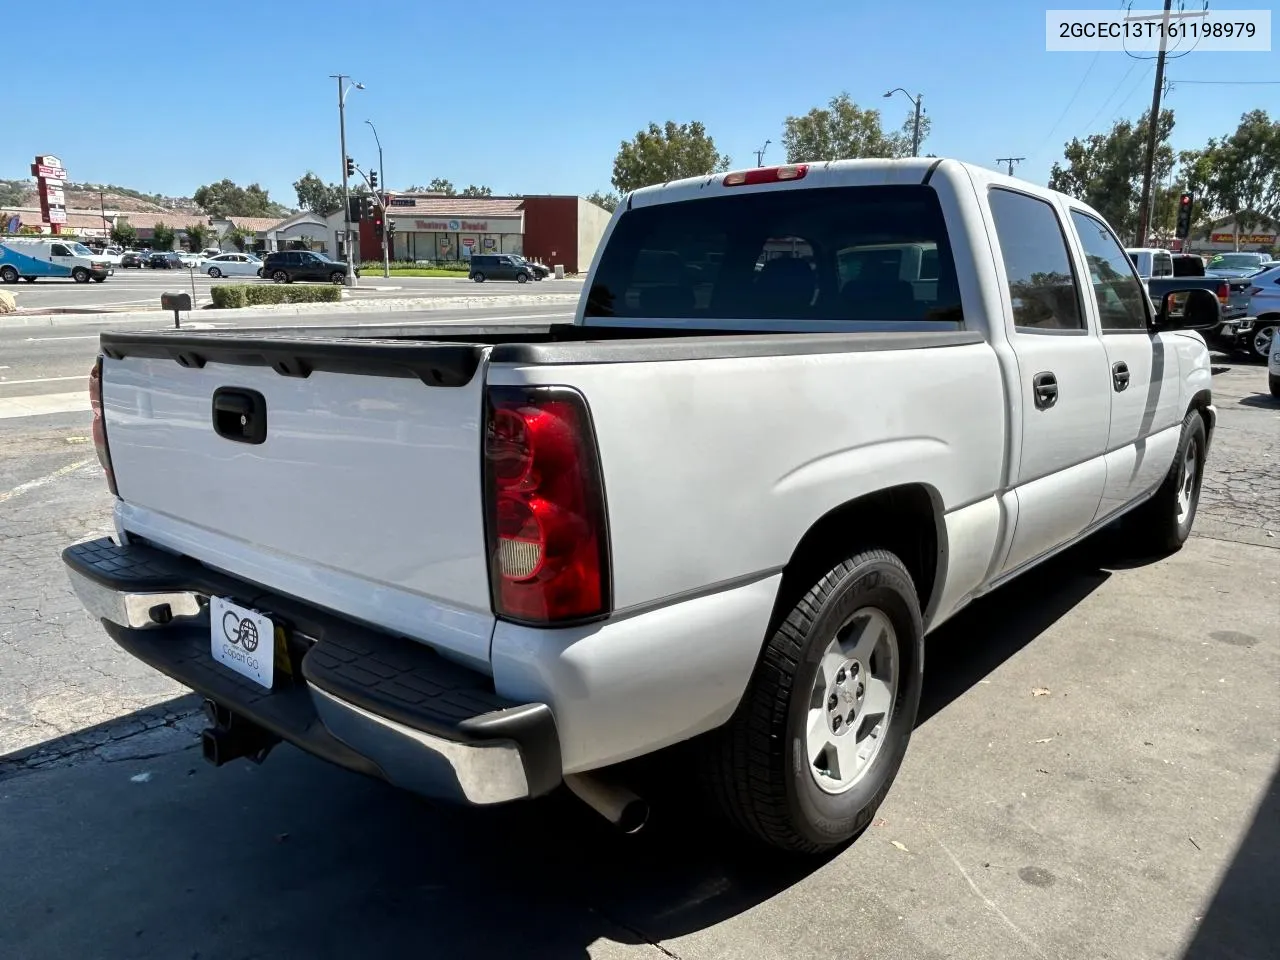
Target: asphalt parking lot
[
  {"x": 140, "y": 289},
  {"x": 1094, "y": 774}
]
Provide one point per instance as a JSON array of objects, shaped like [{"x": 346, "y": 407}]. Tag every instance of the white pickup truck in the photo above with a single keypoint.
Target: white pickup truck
[{"x": 803, "y": 415}]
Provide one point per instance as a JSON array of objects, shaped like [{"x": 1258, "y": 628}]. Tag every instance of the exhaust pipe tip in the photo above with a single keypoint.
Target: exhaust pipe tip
[{"x": 617, "y": 804}]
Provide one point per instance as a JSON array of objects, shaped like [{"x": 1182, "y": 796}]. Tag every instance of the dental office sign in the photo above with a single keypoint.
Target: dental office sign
[{"x": 50, "y": 176}]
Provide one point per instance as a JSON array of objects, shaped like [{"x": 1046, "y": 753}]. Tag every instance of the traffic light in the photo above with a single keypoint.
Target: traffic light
[
  {"x": 351, "y": 167},
  {"x": 377, "y": 224},
  {"x": 366, "y": 207},
  {"x": 373, "y": 179},
  {"x": 1184, "y": 216}
]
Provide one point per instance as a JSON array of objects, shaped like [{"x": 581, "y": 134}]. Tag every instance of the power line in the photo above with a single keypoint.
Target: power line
[
  {"x": 1070, "y": 103},
  {"x": 1236, "y": 83},
  {"x": 1088, "y": 126},
  {"x": 1010, "y": 161}
]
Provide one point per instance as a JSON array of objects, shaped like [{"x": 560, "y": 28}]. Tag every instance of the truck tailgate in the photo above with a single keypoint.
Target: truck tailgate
[{"x": 369, "y": 472}]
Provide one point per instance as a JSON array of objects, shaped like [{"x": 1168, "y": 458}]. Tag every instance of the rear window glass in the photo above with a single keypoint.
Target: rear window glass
[{"x": 844, "y": 253}]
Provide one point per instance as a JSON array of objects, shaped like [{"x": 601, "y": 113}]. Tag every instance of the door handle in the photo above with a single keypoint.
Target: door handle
[
  {"x": 240, "y": 415},
  {"x": 1119, "y": 375},
  {"x": 1045, "y": 386}
]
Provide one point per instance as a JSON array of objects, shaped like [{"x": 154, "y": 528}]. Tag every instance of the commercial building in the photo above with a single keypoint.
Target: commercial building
[{"x": 552, "y": 229}]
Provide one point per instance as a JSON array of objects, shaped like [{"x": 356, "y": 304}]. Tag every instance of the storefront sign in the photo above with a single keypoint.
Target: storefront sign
[
  {"x": 1264, "y": 238},
  {"x": 403, "y": 202},
  {"x": 50, "y": 175},
  {"x": 461, "y": 225}
]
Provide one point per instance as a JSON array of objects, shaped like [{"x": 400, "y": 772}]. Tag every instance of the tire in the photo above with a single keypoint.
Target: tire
[
  {"x": 80, "y": 275},
  {"x": 758, "y": 766},
  {"x": 99, "y": 279},
  {"x": 522, "y": 278},
  {"x": 1273, "y": 382},
  {"x": 8, "y": 275},
  {"x": 478, "y": 277},
  {"x": 1261, "y": 337},
  {"x": 259, "y": 273},
  {"x": 337, "y": 278},
  {"x": 1163, "y": 523},
  {"x": 215, "y": 273},
  {"x": 30, "y": 279},
  {"x": 280, "y": 277}
]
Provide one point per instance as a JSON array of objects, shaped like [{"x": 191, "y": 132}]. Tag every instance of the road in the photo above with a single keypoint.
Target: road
[
  {"x": 141, "y": 289},
  {"x": 1131, "y": 811}
]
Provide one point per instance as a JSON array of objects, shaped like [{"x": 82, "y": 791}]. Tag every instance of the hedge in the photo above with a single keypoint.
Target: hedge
[
  {"x": 375, "y": 266},
  {"x": 250, "y": 294}
]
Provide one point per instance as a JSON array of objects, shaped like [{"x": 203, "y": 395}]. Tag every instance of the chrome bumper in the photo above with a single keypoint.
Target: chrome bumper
[{"x": 478, "y": 768}]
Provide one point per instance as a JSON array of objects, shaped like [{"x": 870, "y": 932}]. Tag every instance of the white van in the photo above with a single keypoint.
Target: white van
[{"x": 34, "y": 257}]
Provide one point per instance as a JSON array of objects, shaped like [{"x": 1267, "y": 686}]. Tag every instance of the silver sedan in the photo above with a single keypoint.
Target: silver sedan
[{"x": 232, "y": 265}]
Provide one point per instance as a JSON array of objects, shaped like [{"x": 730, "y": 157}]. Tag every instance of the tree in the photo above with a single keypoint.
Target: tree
[
  {"x": 473, "y": 191},
  {"x": 1239, "y": 175},
  {"x": 162, "y": 236},
  {"x": 441, "y": 185},
  {"x": 123, "y": 234},
  {"x": 227, "y": 199},
  {"x": 845, "y": 131},
  {"x": 1105, "y": 171},
  {"x": 240, "y": 237},
  {"x": 609, "y": 200},
  {"x": 197, "y": 234},
  {"x": 671, "y": 152},
  {"x": 317, "y": 196}
]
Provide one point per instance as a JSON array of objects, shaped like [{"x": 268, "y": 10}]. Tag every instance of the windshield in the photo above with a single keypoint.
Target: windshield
[
  {"x": 1236, "y": 261},
  {"x": 825, "y": 254},
  {"x": 80, "y": 250}
]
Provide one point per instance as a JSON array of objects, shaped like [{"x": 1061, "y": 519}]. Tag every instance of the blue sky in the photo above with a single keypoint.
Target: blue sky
[{"x": 538, "y": 101}]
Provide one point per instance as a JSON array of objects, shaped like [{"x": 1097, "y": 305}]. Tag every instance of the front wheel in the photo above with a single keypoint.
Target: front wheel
[
  {"x": 80, "y": 275},
  {"x": 824, "y": 724},
  {"x": 338, "y": 277},
  {"x": 1163, "y": 523},
  {"x": 522, "y": 278},
  {"x": 1264, "y": 332},
  {"x": 215, "y": 273},
  {"x": 280, "y": 277},
  {"x": 8, "y": 275}
]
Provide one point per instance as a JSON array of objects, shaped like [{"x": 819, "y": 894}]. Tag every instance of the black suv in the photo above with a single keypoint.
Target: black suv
[
  {"x": 500, "y": 266},
  {"x": 287, "y": 266}
]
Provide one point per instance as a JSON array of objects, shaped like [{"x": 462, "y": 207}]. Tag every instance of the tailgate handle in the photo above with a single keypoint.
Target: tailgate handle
[{"x": 240, "y": 415}]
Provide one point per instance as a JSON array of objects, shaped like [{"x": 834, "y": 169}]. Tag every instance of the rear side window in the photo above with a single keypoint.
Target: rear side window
[
  {"x": 1122, "y": 303},
  {"x": 876, "y": 254},
  {"x": 1163, "y": 265},
  {"x": 1042, "y": 285}
]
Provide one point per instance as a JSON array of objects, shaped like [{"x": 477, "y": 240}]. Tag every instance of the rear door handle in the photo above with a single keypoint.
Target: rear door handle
[
  {"x": 1045, "y": 386},
  {"x": 240, "y": 415},
  {"x": 1119, "y": 375}
]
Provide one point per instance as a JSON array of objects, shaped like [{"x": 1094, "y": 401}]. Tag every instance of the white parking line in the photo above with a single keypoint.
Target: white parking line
[
  {"x": 12, "y": 383},
  {"x": 41, "y": 481},
  {"x": 11, "y": 407},
  {"x": 83, "y": 336}
]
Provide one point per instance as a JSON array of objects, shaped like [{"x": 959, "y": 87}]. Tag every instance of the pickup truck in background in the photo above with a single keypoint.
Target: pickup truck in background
[
  {"x": 1163, "y": 272},
  {"x": 804, "y": 414}
]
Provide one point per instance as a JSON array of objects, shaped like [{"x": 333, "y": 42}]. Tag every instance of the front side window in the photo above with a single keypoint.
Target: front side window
[
  {"x": 1121, "y": 300},
  {"x": 1042, "y": 285},
  {"x": 829, "y": 254},
  {"x": 60, "y": 251}
]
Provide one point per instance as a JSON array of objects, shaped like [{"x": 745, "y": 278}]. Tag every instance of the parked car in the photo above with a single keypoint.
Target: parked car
[
  {"x": 1264, "y": 305},
  {"x": 500, "y": 266},
  {"x": 1151, "y": 261},
  {"x": 233, "y": 265},
  {"x": 191, "y": 261},
  {"x": 112, "y": 255},
  {"x": 1235, "y": 264},
  {"x": 1188, "y": 265},
  {"x": 721, "y": 506},
  {"x": 287, "y": 266},
  {"x": 209, "y": 252},
  {"x": 1273, "y": 367},
  {"x": 133, "y": 258},
  {"x": 1235, "y": 326},
  {"x": 165, "y": 260},
  {"x": 30, "y": 258}
]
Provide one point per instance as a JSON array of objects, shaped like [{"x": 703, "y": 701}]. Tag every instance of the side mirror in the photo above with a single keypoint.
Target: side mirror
[{"x": 1193, "y": 309}]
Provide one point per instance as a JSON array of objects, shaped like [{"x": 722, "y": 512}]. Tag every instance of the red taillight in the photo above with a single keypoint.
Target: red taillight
[
  {"x": 1224, "y": 293},
  {"x": 745, "y": 178},
  {"x": 544, "y": 507},
  {"x": 100, "y": 425}
]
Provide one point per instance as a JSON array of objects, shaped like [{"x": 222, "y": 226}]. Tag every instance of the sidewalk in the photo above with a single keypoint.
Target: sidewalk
[{"x": 387, "y": 305}]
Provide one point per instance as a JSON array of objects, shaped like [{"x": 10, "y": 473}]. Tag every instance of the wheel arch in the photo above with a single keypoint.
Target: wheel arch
[
  {"x": 1202, "y": 403},
  {"x": 906, "y": 519}
]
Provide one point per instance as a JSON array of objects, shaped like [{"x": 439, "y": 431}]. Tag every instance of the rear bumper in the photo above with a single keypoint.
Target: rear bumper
[{"x": 363, "y": 699}]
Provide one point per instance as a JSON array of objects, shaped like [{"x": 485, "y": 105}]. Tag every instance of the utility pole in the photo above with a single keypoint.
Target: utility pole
[
  {"x": 1010, "y": 161},
  {"x": 386, "y": 221},
  {"x": 346, "y": 194},
  {"x": 760, "y": 153},
  {"x": 918, "y": 99},
  {"x": 1149, "y": 163}
]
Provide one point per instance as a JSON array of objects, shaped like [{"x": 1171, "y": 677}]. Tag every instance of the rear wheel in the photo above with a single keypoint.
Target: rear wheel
[
  {"x": 478, "y": 277},
  {"x": 824, "y": 724},
  {"x": 280, "y": 277},
  {"x": 1163, "y": 523},
  {"x": 98, "y": 279},
  {"x": 1264, "y": 332},
  {"x": 8, "y": 275},
  {"x": 80, "y": 275},
  {"x": 215, "y": 273}
]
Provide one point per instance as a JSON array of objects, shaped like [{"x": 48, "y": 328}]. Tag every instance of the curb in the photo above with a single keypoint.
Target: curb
[{"x": 165, "y": 317}]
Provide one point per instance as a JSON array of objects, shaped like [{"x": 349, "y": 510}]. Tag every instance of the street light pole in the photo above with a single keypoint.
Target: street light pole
[
  {"x": 386, "y": 222},
  {"x": 346, "y": 194},
  {"x": 918, "y": 99}
]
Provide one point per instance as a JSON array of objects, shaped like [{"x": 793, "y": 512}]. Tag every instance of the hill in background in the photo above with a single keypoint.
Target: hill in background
[{"x": 88, "y": 196}]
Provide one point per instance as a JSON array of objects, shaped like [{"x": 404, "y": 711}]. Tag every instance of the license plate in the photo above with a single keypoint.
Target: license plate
[{"x": 243, "y": 640}]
